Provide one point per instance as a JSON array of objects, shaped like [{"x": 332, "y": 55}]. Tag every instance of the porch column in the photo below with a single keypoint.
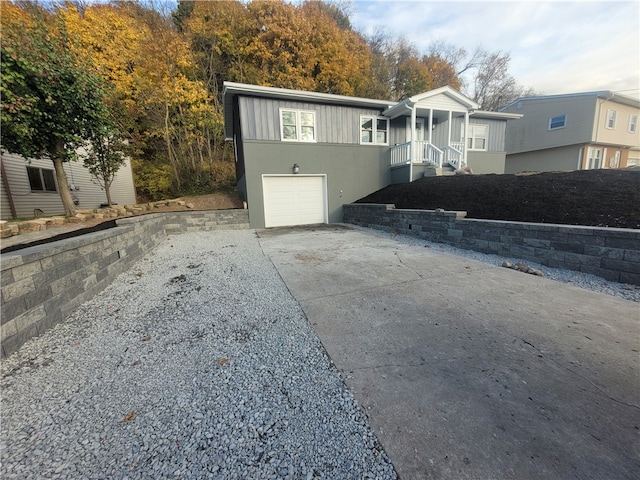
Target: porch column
[
  {"x": 412, "y": 145},
  {"x": 466, "y": 136},
  {"x": 430, "y": 126},
  {"x": 449, "y": 132}
]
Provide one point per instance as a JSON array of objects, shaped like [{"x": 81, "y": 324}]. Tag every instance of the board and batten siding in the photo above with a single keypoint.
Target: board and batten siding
[
  {"x": 260, "y": 120},
  {"x": 89, "y": 194}
]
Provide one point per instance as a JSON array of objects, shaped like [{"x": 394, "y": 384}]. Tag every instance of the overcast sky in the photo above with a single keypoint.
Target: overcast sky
[{"x": 555, "y": 47}]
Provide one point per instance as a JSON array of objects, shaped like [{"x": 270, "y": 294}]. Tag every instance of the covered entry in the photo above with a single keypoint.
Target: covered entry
[{"x": 294, "y": 199}]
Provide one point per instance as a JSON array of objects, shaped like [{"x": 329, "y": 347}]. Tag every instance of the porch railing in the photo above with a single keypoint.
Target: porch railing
[
  {"x": 454, "y": 157},
  {"x": 432, "y": 154},
  {"x": 400, "y": 153},
  {"x": 425, "y": 152}
]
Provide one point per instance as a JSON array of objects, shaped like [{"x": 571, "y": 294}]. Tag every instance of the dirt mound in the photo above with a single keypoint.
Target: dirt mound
[{"x": 603, "y": 198}]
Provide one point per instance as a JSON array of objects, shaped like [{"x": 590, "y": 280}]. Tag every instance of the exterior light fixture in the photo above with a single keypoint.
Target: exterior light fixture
[{"x": 296, "y": 168}]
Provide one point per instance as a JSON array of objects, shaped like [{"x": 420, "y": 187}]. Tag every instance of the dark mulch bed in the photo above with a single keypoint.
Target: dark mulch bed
[
  {"x": 603, "y": 198},
  {"x": 73, "y": 233}
]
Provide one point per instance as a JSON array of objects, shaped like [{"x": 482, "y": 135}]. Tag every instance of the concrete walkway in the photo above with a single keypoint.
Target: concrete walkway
[{"x": 468, "y": 370}]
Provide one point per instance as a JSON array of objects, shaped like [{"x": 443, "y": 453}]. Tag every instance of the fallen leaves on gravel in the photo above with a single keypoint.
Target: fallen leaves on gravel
[
  {"x": 223, "y": 361},
  {"x": 129, "y": 416}
]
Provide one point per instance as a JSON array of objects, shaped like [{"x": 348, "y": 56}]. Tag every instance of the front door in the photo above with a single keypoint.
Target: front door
[
  {"x": 594, "y": 158},
  {"x": 419, "y": 130}
]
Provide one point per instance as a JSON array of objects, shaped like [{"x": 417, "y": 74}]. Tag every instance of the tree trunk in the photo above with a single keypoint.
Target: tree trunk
[
  {"x": 63, "y": 187},
  {"x": 107, "y": 190}
]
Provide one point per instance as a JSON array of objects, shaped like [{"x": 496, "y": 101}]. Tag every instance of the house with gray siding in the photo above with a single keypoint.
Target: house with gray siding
[
  {"x": 28, "y": 187},
  {"x": 577, "y": 131},
  {"x": 301, "y": 155}
]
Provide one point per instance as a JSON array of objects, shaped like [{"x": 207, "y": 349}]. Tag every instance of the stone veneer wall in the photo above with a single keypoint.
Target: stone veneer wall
[
  {"x": 43, "y": 284},
  {"x": 611, "y": 253}
]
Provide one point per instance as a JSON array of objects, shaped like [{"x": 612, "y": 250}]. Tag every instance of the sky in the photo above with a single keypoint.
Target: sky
[{"x": 556, "y": 47}]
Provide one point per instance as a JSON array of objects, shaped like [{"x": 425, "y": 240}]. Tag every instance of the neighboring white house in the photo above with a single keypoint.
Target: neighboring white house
[
  {"x": 578, "y": 131},
  {"x": 28, "y": 188}
]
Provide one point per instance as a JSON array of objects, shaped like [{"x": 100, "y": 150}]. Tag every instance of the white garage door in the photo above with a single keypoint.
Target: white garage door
[{"x": 294, "y": 200}]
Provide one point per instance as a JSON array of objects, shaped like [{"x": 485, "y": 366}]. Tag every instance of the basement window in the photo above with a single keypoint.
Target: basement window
[{"x": 41, "y": 179}]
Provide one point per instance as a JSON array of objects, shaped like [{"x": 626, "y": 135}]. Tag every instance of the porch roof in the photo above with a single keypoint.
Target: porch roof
[{"x": 443, "y": 98}]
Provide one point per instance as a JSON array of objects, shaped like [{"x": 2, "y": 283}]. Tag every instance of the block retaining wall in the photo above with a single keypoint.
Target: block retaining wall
[
  {"x": 611, "y": 253},
  {"x": 43, "y": 284}
]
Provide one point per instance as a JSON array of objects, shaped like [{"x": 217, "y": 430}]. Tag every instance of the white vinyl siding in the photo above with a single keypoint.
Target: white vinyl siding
[
  {"x": 611, "y": 119},
  {"x": 633, "y": 123},
  {"x": 297, "y": 125},
  {"x": 557, "y": 122},
  {"x": 89, "y": 195},
  {"x": 374, "y": 130}
]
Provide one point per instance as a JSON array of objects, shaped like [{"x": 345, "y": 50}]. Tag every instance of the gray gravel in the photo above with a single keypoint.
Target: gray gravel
[
  {"x": 197, "y": 363},
  {"x": 577, "y": 279}
]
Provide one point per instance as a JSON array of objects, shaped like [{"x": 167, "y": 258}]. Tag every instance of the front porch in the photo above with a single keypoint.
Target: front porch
[
  {"x": 432, "y": 131},
  {"x": 425, "y": 152}
]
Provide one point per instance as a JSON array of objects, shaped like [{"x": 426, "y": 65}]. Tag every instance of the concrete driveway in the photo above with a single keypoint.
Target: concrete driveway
[{"x": 468, "y": 370}]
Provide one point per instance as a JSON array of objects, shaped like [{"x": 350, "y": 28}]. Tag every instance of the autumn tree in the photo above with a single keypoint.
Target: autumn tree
[
  {"x": 275, "y": 43},
  {"x": 105, "y": 155},
  {"x": 484, "y": 75},
  {"x": 165, "y": 107},
  {"x": 400, "y": 69},
  {"x": 51, "y": 102}
]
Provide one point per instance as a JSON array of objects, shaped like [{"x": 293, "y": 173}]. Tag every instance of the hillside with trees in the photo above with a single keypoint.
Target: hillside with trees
[{"x": 150, "y": 79}]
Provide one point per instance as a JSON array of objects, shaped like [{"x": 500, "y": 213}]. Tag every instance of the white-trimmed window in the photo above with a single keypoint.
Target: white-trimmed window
[
  {"x": 558, "y": 122},
  {"x": 633, "y": 123},
  {"x": 41, "y": 179},
  {"x": 611, "y": 119},
  {"x": 297, "y": 125},
  {"x": 374, "y": 130},
  {"x": 477, "y": 139}
]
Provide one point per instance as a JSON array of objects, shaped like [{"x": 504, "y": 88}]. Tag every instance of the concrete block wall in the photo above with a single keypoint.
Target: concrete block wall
[
  {"x": 611, "y": 253},
  {"x": 43, "y": 284}
]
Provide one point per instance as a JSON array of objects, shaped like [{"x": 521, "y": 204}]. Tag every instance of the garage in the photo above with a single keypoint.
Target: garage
[{"x": 294, "y": 199}]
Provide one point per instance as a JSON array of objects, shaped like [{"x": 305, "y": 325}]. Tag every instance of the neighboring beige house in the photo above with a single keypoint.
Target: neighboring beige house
[
  {"x": 577, "y": 131},
  {"x": 28, "y": 188}
]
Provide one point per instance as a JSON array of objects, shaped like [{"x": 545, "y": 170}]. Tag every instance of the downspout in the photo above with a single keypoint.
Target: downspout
[
  {"x": 449, "y": 137},
  {"x": 412, "y": 142},
  {"x": 7, "y": 189},
  {"x": 430, "y": 126},
  {"x": 580, "y": 155}
]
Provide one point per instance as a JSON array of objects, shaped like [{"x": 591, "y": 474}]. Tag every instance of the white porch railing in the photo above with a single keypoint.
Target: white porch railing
[
  {"x": 400, "y": 153},
  {"x": 454, "y": 157},
  {"x": 425, "y": 152},
  {"x": 458, "y": 146}
]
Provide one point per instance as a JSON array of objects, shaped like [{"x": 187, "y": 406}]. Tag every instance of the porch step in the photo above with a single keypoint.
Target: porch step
[{"x": 438, "y": 172}]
